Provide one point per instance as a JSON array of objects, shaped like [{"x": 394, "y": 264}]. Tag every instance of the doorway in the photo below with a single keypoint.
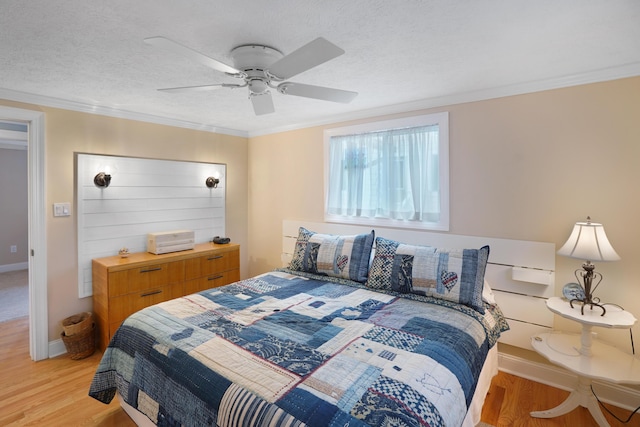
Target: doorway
[
  {"x": 37, "y": 251},
  {"x": 14, "y": 278}
]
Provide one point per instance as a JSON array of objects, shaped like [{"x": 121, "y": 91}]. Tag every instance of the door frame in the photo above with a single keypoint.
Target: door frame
[{"x": 38, "y": 310}]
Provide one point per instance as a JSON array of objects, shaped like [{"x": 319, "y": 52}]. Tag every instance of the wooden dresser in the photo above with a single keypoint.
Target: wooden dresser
[{"x": 122, "y": 286}]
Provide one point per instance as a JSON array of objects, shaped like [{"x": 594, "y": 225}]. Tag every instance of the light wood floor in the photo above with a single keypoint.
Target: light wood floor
[
  {"x": 511, "y": 398},
  {"x": 53, "y": 393}
]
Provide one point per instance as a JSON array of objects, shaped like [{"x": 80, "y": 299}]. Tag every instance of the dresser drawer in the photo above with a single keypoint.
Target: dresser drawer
[
  {"x": 211, "y": 263},
  {"x": 145, "y": 278},
  {"x": 123, "y": 286},
  {"x": 122, "y": 306},
  {"x": 211, "y": 281}
]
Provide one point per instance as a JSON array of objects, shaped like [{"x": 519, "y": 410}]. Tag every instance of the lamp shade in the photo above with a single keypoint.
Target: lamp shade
[{"x": 589, "y": 242}]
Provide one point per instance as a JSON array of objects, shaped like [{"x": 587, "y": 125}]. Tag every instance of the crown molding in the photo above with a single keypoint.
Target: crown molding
[
  {"x": 102, "y": 110},
  {"x": 596, "y": 76}
]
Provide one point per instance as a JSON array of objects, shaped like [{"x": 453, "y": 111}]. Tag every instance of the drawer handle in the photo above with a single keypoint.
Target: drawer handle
[
  {"x": 149, "y": 270},
  {"x": 215, "y": 277},
  {"x": 151, "y": 293},
  {"x": 215, "y": 257}
]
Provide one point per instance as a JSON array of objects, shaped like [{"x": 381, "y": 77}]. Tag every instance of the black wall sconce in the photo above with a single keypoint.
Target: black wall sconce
[
  {"x": 212, "y": 182},
  {"x": 102, "y": 180}
]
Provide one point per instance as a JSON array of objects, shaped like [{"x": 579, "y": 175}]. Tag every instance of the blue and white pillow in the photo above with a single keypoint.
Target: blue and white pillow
[
  {"x": 454, "y": 275},
  {"x": 346, "y": 257}
]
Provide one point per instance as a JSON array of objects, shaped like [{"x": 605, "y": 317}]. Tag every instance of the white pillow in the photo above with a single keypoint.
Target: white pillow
[{"x": 487, "y": 294}]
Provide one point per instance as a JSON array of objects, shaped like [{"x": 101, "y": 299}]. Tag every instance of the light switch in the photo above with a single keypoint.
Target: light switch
[{"x": 62, "y": 209}]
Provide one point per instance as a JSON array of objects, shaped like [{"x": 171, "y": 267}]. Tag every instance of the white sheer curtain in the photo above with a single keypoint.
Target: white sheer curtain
[{"x": 390, "y": 174}]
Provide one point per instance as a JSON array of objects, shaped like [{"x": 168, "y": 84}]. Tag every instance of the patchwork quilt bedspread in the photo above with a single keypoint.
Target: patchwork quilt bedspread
[{"x": 285, "y": 349}]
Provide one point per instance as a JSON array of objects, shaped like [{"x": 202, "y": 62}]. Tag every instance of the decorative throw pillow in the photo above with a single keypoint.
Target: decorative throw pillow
[
  {"x": 454, "y": 275},
  {"x": 334, "y": 255}
]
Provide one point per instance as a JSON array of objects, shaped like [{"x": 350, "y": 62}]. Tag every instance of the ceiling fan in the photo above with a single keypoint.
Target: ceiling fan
[{"x": 262, "y": 67}]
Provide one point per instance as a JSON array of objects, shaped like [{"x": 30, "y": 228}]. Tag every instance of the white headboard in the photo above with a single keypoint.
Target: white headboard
[{"x": 521, "y": 273}]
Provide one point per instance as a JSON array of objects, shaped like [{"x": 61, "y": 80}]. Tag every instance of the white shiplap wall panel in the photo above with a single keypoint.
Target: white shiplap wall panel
[
  {"x": 132, "y": 217},
  {"x": 145, "y": 196},
  {"x": 97, "y": 236},
  {"x": 142, "y": 192},
  {"x": 142, "y": 205}
]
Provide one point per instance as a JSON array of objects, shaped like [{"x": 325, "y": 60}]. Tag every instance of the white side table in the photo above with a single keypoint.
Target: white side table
[{"x": 589, "y": 359}]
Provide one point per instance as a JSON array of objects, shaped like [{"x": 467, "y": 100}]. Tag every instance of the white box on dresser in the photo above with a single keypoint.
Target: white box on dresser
[{"x": 170, "y": 241}]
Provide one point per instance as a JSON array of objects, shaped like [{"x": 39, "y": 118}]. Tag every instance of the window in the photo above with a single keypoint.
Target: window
[{"x": 392, "y": 173}]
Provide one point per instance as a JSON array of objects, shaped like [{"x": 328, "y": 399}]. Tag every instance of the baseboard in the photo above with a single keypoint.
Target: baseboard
[
  {"x": 614, "y": 394},
  {"x": 14, "y": 267},
  {"x": 56, "y": 348}
]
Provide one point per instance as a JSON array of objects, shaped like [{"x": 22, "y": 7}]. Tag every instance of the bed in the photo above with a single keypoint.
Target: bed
[{"x": 401, "y": 335}]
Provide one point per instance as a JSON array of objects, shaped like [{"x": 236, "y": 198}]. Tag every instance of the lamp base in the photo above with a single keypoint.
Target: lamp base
[
  {"x": 588, "y": 275},
  {"x": 589, "y": 302}
]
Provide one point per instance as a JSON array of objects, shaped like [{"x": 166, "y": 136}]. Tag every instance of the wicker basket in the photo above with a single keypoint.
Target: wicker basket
[
  {"x": 77, "y": 323},
  {"x": 81, "y": 344}
]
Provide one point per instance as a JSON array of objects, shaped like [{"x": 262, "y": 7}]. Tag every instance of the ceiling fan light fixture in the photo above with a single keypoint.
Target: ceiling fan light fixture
[
  {"x": 262, "y": 67},
  {"x": 258, "y": 86}
]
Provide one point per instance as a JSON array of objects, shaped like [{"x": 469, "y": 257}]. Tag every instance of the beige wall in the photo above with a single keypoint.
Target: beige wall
[
  {"x": 522, "y": 167},
  {"x": 13, "y": 207},
  {"x": 67, "y": 132}
]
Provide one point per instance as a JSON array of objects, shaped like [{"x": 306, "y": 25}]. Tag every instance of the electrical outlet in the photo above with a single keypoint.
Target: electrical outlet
[{"x": 13, "y": 249}]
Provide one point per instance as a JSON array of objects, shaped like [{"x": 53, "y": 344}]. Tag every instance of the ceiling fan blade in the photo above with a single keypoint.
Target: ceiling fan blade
[
  {"x": 170, "y": 45},
  {"x": 317, "y": 92},
  {"x": 262, "y": 103},
  {"x": 308, "y": 56},
  {"x": 203, "y": 88}
]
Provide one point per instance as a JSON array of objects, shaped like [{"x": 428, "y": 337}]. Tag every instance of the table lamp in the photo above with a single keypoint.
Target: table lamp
[{"x": 588, "y": 242}]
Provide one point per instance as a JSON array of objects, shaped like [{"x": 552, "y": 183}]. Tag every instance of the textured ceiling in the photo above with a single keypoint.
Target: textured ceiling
[{"x": 400, "y": 54}]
